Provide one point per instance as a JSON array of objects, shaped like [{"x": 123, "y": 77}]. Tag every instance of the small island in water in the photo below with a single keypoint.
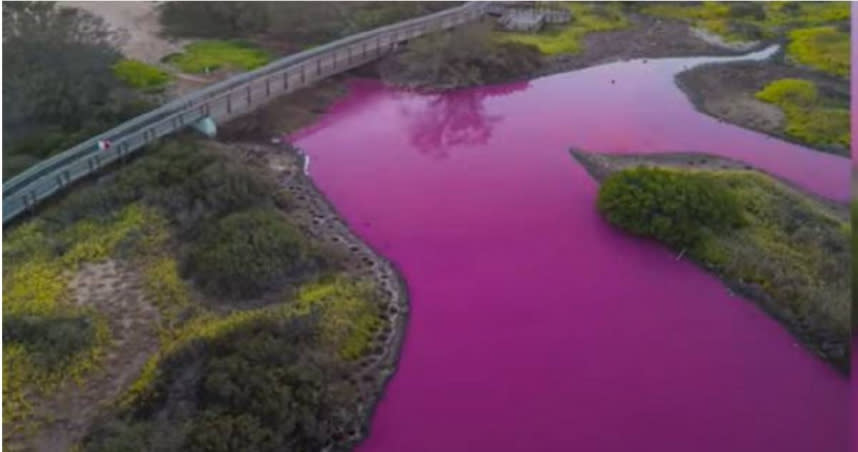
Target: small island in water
[{"x": 769, "y": 241}]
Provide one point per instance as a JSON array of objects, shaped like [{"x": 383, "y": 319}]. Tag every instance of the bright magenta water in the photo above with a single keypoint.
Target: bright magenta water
[{"x": 535, "y": 326}]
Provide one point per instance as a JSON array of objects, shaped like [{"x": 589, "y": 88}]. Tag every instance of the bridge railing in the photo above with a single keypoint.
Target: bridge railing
[{"x": 224, "y": 99}]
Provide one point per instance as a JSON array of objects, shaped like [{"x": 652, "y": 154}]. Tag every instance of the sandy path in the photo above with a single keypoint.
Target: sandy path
[{"x": 138, "y": 23}]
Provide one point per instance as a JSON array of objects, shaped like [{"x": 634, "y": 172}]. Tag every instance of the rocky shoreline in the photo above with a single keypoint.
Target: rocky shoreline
[{"x": 314, "y": 213}]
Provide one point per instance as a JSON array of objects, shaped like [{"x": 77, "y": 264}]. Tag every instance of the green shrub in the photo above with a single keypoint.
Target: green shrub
[
  {"x": 349, "y": 317},
  {"x": 50, "y": 341},
  {"x": 822, "y": 48},
  {"x": 747, "y": 9},
  {"x": 741, "y": 21},
  {"x": 674, "y": 207},
  {"x": 189, "y": 184},
  {"x": 244, "y": 376},
  {"x": 247, "y": 253},
  {"x": 141, "y": 75},
  {"x": 808, "y": 118},
  {"x": 463, "y": 57}
]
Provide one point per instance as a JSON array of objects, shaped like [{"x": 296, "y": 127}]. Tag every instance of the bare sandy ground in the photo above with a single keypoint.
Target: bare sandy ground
[{"x": 138, "y": 24}]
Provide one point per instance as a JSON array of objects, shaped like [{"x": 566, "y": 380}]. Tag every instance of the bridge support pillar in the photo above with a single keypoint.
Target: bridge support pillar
[{"x": 206, "y": 126}]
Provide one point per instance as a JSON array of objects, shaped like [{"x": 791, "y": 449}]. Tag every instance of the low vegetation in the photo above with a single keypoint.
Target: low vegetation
[
  {"x": 677, "y": 208},
  {"x": 224, "y": 387},
  {"x": 59, "y": 86},
  {"x": 207, "y": 230},
  {"x": 751, "y": 21},
  {"x": 822, "y": 48},
  {"x": 462, "y": 57},
  {"x": 776, "y": 245},
  {"x": 587, "y": 17},
  {"x": 205, "y": 56},
  {"x": 810, "y": 116},
  {"x": 817, "y": 32},
  {"x": 140, "y": 75},
  {"x": 48, "y": 339},
  {"x": 298, "y": 25},
  {"x": 247, "y": 253}
]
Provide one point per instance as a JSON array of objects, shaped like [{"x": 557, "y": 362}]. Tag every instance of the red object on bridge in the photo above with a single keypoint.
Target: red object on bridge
[{"x": 103, "y": 145}]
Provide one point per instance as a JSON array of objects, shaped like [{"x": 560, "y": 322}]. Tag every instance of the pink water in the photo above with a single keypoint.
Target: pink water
[{"x": 534, "y": 325}]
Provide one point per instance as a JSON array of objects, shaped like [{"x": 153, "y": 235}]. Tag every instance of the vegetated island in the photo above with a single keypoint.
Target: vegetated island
[
  {"x": 783, "y": 248},
  {"x": 801, "y": 94},
  {"x": 201, "y": 295}
]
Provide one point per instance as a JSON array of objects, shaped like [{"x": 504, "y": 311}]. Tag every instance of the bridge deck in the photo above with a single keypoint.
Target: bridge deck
[{"x": 221, "y": 101}]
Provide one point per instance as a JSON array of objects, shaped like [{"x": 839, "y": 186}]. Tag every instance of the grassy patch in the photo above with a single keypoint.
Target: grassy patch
[
  {"x": 201, "y": 209},
  {"x": 47, "y": 339},
  {"x": 808, "y": 117},
  {"x": 790, "y": 252},
  {"x": 711, "y": 16},
  {"x": 349, "y": 318},
  {"x": 247, "y": 366},
  {"x": 822, "y": 48},
  {"x": 748, "y": 21},
  {"x": 793, "y": 248},
  {"x": 203, "y": 56},
  {"x": 141, "y": 75},
  {"x": 567, "y": 38}
]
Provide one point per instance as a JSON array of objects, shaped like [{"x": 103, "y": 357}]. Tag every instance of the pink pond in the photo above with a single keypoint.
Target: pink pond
[{"x": 534, "y": 325}]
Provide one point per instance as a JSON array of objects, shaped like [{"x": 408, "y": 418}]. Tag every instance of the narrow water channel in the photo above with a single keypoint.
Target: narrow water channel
[{"x": 534, "y": 325}]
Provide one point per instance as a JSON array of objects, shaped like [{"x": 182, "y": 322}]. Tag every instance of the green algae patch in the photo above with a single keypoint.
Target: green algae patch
[
  {"x": 567, "y": 38},
  {"x": 788, "y": 251},
  {"x": 810, "y": 117},
  {"x": 202, "y": 56},
  {"x": 140, "y": 75},
  {"x": 822, "y": 48}
]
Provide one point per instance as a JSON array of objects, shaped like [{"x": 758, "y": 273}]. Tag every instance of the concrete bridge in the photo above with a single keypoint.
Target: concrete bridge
[{"x": 220, "y": 102}]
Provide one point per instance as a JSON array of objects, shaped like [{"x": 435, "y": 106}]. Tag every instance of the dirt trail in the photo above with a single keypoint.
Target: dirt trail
[
  {"x": 138, "y": 23},
  {"x": 115, "y": 290}
]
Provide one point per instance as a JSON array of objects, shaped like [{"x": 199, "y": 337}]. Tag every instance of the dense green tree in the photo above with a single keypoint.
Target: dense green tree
[
  {"x": 216, "y": 19},
  {"x": 671, "y": 206},
  {"x": 246, "y": 253},
  {"x": 461, "y": 57},
  {"x": 58, "y": 83}
]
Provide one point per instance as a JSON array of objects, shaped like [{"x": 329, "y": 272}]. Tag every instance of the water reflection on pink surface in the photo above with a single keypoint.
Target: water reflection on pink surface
[{"x": 534, "y": 325}]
